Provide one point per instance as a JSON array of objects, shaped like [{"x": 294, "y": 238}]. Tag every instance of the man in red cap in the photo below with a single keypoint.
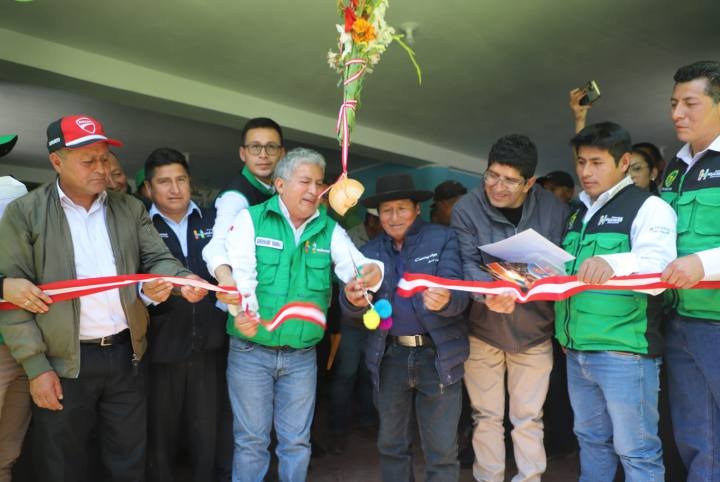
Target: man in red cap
[{"x": 82, "y": 356}]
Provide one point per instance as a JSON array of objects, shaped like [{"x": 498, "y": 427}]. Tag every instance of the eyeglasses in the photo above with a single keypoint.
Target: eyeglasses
[
  {"x": 270, "y": 149},
  {"x": 491, "y": 179}
]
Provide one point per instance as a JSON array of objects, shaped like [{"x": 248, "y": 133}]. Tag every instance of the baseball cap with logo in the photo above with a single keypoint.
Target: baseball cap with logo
[{"x": 75, "y": 131}]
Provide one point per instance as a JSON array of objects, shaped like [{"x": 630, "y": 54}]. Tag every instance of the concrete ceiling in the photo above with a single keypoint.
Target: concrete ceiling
[{"x": 189, "y": 72}]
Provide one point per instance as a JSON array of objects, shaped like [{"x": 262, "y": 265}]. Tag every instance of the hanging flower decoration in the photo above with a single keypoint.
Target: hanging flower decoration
[{"x": 363, "y": 37}]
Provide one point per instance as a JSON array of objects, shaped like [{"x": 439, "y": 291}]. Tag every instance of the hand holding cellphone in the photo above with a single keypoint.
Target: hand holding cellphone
[{"x": 592, "y": 93}]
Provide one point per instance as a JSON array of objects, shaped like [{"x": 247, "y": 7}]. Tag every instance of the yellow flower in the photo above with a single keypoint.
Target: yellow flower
[{"x": 363, "y": 31}]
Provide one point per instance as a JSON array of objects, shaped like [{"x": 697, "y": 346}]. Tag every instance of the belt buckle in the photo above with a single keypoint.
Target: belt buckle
[{"x": 106, "y": 343}]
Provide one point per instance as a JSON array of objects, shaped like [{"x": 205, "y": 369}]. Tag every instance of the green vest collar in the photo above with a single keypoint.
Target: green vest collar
[
  {"x": 256, "y": 183},
  {"x": 313, "y": 227}
]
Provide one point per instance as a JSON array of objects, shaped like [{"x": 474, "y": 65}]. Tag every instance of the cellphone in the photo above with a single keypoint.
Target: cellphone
[{"x": 592, "y": 93}]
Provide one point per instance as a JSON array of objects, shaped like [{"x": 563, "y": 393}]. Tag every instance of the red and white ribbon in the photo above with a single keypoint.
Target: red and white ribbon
[
  {"x": 554, "y": 288},
  {"x": 71, "y": 289},
  {"x": 357, "y": 74},
  {"x": 343, "y": 128}
]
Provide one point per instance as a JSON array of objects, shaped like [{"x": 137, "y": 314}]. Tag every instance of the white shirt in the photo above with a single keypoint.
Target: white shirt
[
  {"x": 227, "y": 206},
  {"x": 180, "y": 229},
  {"x": 240, "y": 247},
  {"x": 652, "y": 234},
  {"x": 101, "y": 314},
  {"x": 710, "y": 258}
]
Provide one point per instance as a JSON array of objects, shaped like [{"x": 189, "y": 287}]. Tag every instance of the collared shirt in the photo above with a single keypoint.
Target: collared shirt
[
  {"x": 180, "y": 229},
  {"x": 652, "y": 234},
  {"x": 240, "y": 247},
  {"x": 227, "y": 206},
  {"x": 101, "y": 314},
  {"x": 710, "y": 258}
]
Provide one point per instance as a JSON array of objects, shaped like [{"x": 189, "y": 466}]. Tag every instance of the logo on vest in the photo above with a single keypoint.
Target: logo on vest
[
  {"x": 707, "y": 174},
  {"x": 269, "y": 243},
  {"x": 313, "y": 248},
  {"x": 202, "y": 233},
  {"x": 670, "y": 178},
  {"x": 605, "y": 219},
  {"x": 164, "y": 235}
]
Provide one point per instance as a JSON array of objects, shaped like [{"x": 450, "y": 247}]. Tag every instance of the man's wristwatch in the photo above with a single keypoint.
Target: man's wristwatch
[{"x": 2, "y": 284}]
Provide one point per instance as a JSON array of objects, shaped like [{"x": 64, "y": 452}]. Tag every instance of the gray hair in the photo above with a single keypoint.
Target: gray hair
[{"x": 295, "y": 158}]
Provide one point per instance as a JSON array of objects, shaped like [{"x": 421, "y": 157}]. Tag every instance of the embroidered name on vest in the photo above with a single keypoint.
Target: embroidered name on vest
[
  {"x": 430, "y": 258},
  {"x": 707, "y": 174},
  {"x": 269, "y": 243},
  {"x": 164, "y": 235},
  {"x": 605, "y": 219}
]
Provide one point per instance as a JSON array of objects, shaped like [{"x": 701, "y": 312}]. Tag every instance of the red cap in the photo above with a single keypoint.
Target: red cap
[{"x": 76, "y": 131}]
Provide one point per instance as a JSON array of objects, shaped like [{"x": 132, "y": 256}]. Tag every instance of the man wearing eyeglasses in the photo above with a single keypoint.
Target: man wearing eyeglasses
[
  {"x": 505, "y": 336},
  {"x": 261, "y": 149}
]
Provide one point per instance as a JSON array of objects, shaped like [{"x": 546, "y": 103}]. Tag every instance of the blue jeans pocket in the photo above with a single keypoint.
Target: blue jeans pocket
[{"x": 240, "y": 345}]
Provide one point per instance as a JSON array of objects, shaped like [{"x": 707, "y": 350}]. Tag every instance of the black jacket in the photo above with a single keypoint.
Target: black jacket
[{"x": 178, "y": 327}]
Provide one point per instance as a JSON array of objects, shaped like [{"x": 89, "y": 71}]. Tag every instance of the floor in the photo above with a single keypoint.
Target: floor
[{"x": 360, "y": 464}]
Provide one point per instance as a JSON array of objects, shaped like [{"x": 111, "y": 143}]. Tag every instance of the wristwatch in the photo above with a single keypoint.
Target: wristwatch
[{"x": 2, "y": 283}]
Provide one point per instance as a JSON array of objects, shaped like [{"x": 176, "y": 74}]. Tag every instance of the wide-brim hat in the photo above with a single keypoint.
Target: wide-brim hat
[
  {"x": 394, "y": 187},
  {"x": 7, "y": 143}
]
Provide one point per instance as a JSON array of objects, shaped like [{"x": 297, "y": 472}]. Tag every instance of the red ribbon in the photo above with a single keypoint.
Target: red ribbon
[
  {"x": 553, "y": 288},
  {"x": 71, "y": 289}
]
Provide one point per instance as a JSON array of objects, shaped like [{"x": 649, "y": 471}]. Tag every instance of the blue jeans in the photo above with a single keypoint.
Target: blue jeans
[
  {"x": 271, "y": 387},
  {"x": 694, "y": 382},
  {"x": 614, "y": 397},
  {"x": 408, "y": 379},
  {"x": 350, "y": 366}
]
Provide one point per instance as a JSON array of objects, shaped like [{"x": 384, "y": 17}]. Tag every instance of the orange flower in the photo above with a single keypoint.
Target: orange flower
[{"x": 363, "y": 31}]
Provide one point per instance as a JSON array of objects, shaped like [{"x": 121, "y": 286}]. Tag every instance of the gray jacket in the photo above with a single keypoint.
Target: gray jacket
[{"x": 477, "y": 222}]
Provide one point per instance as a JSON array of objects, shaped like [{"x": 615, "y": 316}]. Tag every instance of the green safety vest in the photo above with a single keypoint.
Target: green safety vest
[
  {"x": 287, "y": 272},
  {"x": 694, "y": 194},
  {"x": 605, "y": 320}
]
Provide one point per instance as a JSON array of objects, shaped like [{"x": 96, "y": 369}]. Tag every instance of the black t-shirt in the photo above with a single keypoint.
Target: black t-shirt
[{"x": 512, "y": 214}]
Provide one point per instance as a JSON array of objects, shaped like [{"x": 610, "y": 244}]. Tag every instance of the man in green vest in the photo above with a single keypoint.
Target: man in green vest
[
  {"x": 612, "y": 338},
  {"x": 281, "y": 252},
  {"x": 691, "y": 185}
]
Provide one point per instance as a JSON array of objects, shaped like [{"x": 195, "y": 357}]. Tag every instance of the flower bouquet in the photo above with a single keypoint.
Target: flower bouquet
[{"x": 364, "y": 36}]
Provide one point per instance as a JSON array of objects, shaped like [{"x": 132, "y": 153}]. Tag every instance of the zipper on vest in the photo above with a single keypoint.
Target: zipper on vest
[{"x": 567, "y": 300}]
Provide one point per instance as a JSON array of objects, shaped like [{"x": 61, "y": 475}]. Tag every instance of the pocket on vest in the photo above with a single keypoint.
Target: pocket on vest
[
  {"x": 268, "y": 260},
  {"x": 318, "y": 272}
]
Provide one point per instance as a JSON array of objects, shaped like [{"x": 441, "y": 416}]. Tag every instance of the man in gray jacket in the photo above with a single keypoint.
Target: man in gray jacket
[
  {"x": 82, "y": 356},
  {"x": 505, "y": 335}
]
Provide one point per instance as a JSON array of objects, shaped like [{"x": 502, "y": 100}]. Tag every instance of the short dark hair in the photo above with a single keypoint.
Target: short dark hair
[
  {"x": 708, "y": 69},
  {"x": 607, "y": 136},
  {"x": 651, "y": 150},
  {"x": 262, "y": 123},
  {"x": 515, "y": 150},
  {"x": 163, "y": 156}
]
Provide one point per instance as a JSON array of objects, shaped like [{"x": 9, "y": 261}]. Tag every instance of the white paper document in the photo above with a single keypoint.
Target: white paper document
[{"x": 528, "y": 247}]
